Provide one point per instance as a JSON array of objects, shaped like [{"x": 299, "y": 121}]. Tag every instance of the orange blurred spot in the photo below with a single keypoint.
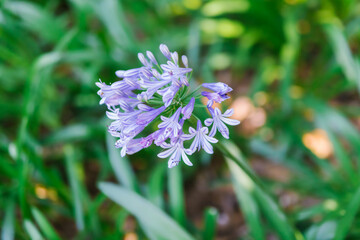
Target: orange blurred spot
[
  {"x": 131, "y": 236},
  {"x": 40, "y": 191},
  {"x": 242, "y": 108},
  {"x": 45, "y": 193},
  {"x": 318, "y": 143},
  {"x": 257, "y": 118}
]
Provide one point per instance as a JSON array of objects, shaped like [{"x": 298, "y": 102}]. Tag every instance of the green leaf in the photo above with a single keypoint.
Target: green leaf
[
  {"x": 37, "y": 19},
  {"x": 210, "y": 217},
  {"x": 7, "y": 231},
  {"x": 243, "y": 174},
  {"x": 343, "y": 54},
  {"x": 244, "y": 187},
  {"x": 74, "y": 185},
  {"x": 324, "y": 231},
  {"x": 31, "y": 229},
  {"x": 176, "y": 195},
  {"x": 152, "y": 218},
  {"x": 156, "y": 185},
  {"x": 111, "y": 13},
  {"x": 121, "y": 166},
  {"x": 345, "y": 223},
  {"x": 44, "y": 225}
]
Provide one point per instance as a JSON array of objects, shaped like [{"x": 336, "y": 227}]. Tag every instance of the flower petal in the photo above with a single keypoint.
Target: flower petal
[
  {"x": 166, "y": 153},
  {"x": 230, "y": 121},
  {"x": 208, "y": 121},
  {"x": 186, "y": 159},
  {"x": 228, "y": 112}
]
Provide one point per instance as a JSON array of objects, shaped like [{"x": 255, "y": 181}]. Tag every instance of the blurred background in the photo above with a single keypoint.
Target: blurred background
[{"x": 291, "y": 169}]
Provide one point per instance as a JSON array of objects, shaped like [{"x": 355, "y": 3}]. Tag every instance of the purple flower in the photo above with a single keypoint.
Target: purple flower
[
  {"x": 219, "y": 94},
  {"x": 150, "y": 55},
  {"x": 111, "y": 94},
  {"x": 172, "y": 70},
  {"x": 220, "y": 88},
  {"x": 120, "y": 73},
  {"x": 128, "y": 146},
  {"x": 171, "y": 125},
  {"x": 214, "y": 97},
  {"x": 201, "y": 139},
  {"x": 152, "y": 88},
  {"x": 121, "y": 119},
  {"x": 168, "y": 94},
  {"x": 134, "y": 146},
  {"x": 143, "y": 60},
  {"x": 145, "y": 118},
  {"x": 165, "y": 51},
  {"x": 175, "y": 57},
  {"x": 185, "y": 61},
  {"x": 218, "y": 121},
  {"x": 188, "y": 109},
  {"x": 143, "y": 94},
  {"x": 177, "y": 152}
]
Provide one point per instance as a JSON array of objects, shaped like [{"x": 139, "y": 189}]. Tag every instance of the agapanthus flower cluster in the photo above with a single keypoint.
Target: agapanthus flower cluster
[{"x": 159, "y": 95}]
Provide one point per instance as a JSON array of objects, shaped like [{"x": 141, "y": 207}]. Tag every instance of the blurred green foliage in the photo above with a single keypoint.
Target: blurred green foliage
[{"x": 296, "y": 60}]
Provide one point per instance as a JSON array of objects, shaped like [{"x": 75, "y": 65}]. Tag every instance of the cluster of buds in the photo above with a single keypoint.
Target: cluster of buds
[{"x": 160, "y": 94}]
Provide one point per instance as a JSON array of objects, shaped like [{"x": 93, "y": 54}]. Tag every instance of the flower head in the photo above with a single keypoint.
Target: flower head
[
  {"x": 202, "y": 140},
  {"x": 220, "y": 92},
  {"x": 218, "y": 121},
  {"x": 158, "y": 95}
]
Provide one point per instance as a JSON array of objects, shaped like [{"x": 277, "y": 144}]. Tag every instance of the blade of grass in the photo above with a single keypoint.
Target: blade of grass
[
  {"x": 37, "y": 19},
  {"x": 111, "y": 13},
  {"x": 345, "y": 222},
  {"x": 31, "y": 229},
  {"x": 289, "y": 54},
  {"x": 153, "y": 218},
  {"x": 271, "y": 210},
  {"x": 74, "y": 185},
  {"x": 156, "y": 185},
  {"x": 121, "y": 166},
  {"x": 7, "y": 230},
  {"x": 210, "y": 217},
  {"x": 325, "y": 230},
  {"x": 343, "y": 54},
  {"x": 176, "y": 195},
  {"x": 44, "y": 225},
  {"x": 244, "y": 187}
]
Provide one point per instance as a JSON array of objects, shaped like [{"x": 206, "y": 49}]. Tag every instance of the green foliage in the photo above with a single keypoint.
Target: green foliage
[{"x": 296, "y": 61}]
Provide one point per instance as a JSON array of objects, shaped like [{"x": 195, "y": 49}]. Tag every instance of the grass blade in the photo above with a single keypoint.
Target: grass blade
[
  {"x": 343, "y": 54},
  {"x": 244, "y": 187},
  {"x": 211, "y": 215},
  {"x": 345, "y": 223},
  {"x": 120, "y": 165},
  {"x": 7, "y": 231},
  {"x": 271, "y": 210},
  {"x": 176, "y": 194},
  {"x": 44, "y": 225},
  {"x": 110, "y": 12},
  {"x": 154, "y": 219},
  {"x": 74, "y": 184},
  {"x": 156, "y": 185},
  {"x": 31, "y": 229}
]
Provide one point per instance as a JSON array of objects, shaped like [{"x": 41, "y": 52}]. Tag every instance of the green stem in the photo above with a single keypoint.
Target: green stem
[{"x": 242, "y": 165}]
